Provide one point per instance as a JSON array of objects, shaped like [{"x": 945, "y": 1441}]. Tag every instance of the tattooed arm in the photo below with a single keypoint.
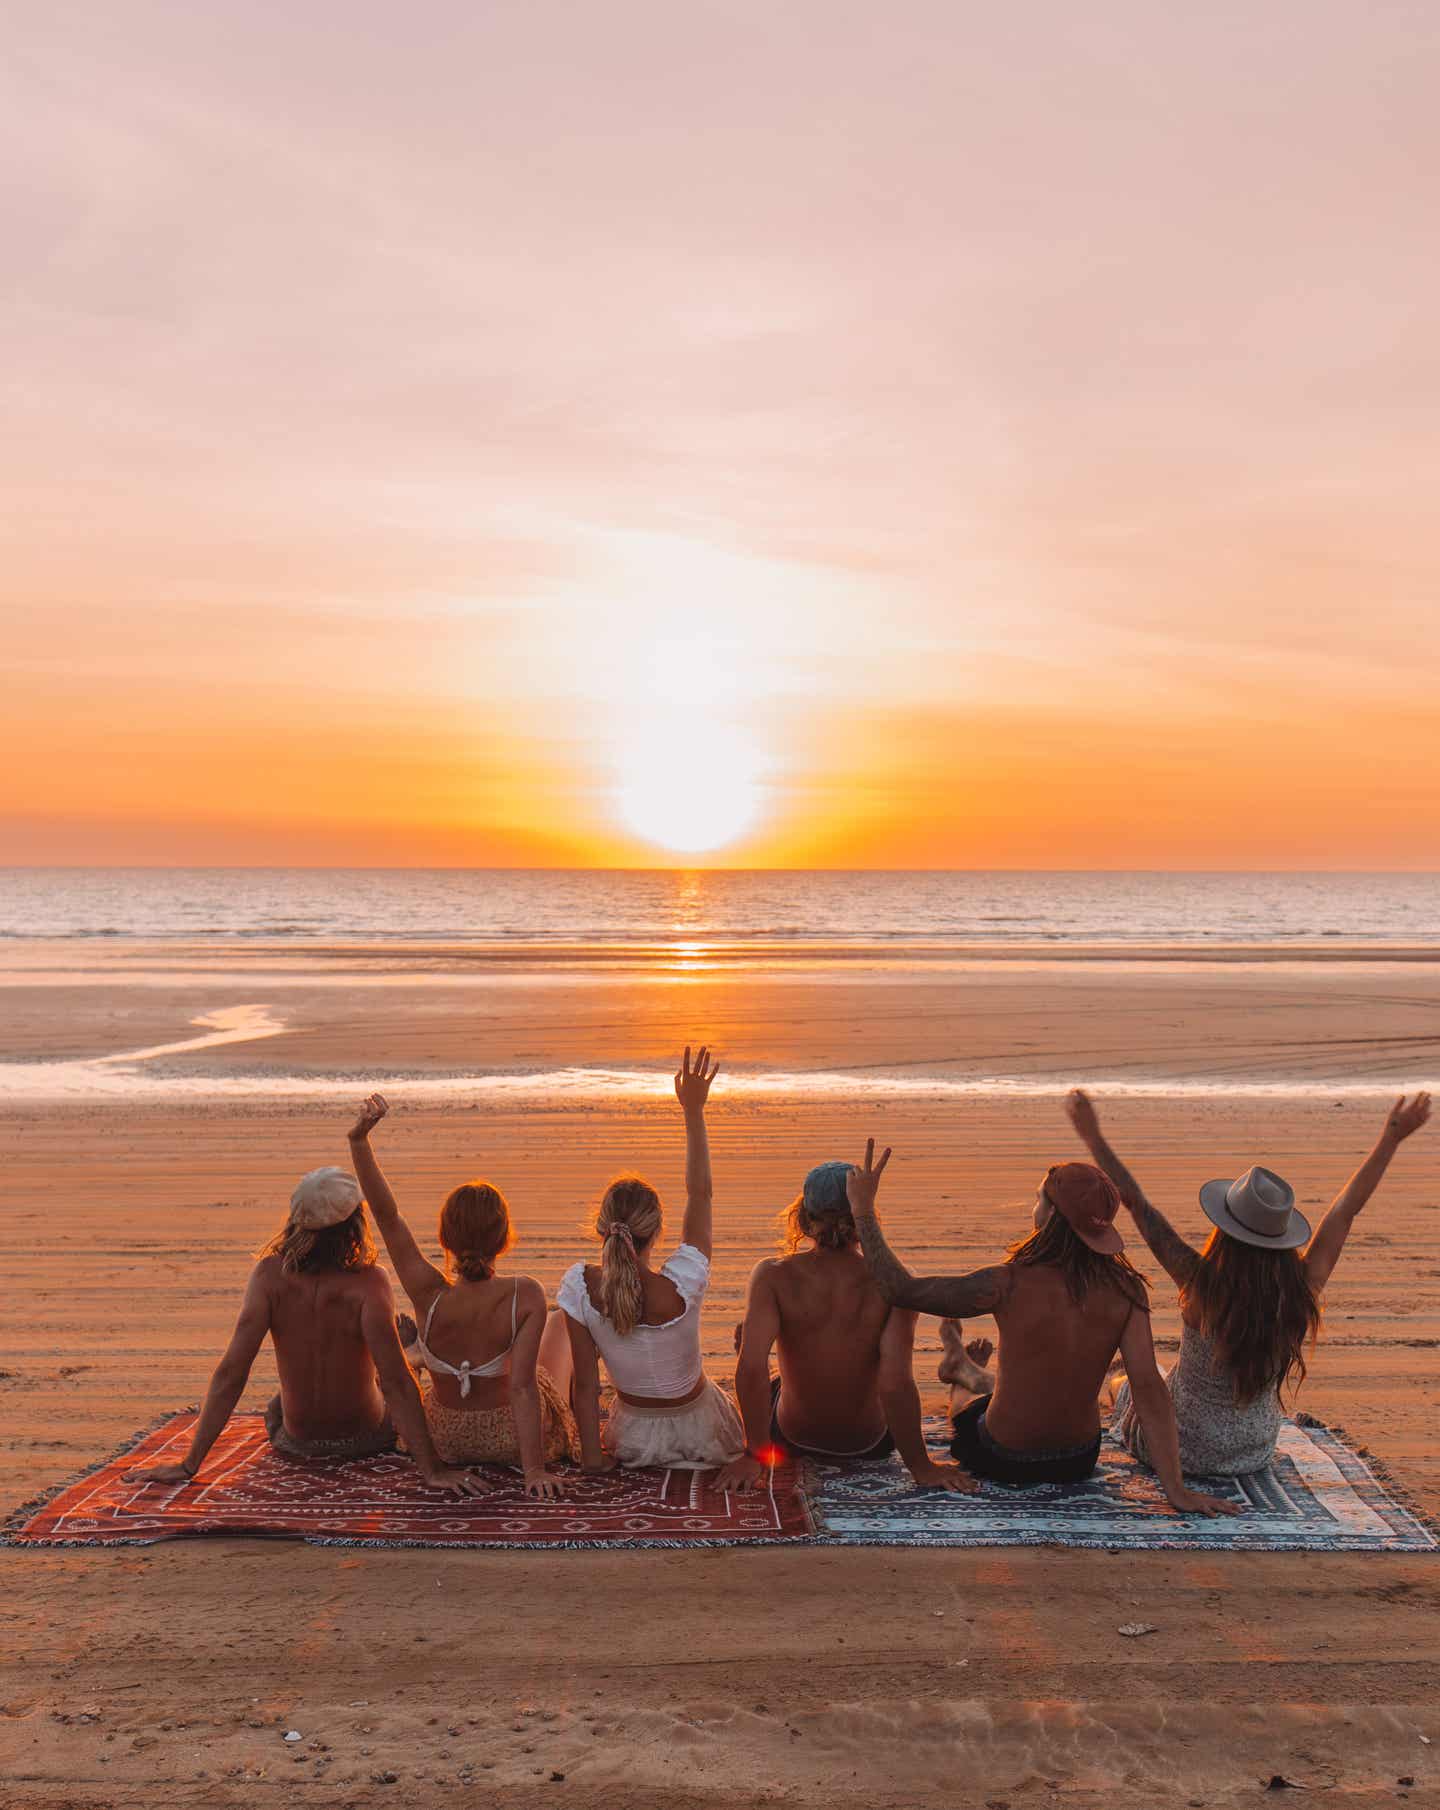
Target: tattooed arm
[
  {"x": 951, "y": 1297},
  {"x": 1167, "y": 1247}
]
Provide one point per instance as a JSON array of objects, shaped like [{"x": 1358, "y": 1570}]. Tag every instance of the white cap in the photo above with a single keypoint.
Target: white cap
[{"x": 323, "y": 1198}]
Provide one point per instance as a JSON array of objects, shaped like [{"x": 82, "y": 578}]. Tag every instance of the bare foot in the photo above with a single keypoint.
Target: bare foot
[
  {"x": 957, "y": 1364},
  {"x": 980, "y": 1352}
]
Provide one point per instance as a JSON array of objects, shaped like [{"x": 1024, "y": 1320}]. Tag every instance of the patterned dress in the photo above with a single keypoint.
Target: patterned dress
[{"x": 1218, "y": 1437}]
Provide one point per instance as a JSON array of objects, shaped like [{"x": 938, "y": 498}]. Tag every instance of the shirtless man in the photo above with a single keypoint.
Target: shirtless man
[
  {"x": 1065, "y": 1302},
  {"x": 845, "y": 1388},
  {"x": 344, "y": 1384}
]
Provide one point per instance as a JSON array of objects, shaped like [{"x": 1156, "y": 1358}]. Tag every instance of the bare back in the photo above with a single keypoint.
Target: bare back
[
  {"x": 1053, "y": 1358},
  {"x": 832, "y": 1317},
  {"x": 474, "y": 1320},
  {"x": 328, "y": 1386}
]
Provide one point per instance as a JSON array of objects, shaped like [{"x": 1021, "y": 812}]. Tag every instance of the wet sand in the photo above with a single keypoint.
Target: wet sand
[{"x": 889, "y": 1678}]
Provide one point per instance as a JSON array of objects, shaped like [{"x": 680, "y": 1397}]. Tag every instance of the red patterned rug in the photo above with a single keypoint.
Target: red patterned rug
[{"x": 245, "y": 1488}]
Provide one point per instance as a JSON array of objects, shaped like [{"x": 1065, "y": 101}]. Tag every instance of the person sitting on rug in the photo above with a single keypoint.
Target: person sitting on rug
[
  {"x": 483, "y": 1342},
  {"x": 645, "y": 1321},
  {"x": 1249, "y": 1302},
  {"x": 330, "y": 1312},
  {"x": 1065, "y": 1302},
  {"x": 846, "y": 1387}
]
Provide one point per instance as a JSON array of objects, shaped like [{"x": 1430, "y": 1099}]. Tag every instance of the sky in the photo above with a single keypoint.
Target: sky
[{"x": 932, "y": 435}]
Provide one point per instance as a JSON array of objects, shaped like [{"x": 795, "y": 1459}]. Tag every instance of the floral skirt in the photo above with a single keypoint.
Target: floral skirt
[
  {"x": 681, "y": 1436},
  {"x": 487, "y": 1435}
]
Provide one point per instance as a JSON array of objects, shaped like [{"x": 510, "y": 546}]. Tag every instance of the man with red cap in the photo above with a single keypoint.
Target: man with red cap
[{"x": 1065, "y": 1302}]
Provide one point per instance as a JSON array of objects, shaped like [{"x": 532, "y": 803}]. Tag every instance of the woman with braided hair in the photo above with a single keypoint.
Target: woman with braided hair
[
  {"x": 489, "y": 1394},
  {"x": 645, "y": 1321}
]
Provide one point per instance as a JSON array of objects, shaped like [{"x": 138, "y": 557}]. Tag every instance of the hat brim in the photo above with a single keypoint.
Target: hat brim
[
  {"x": 1108, "y": 1243},
  {"x": 1216, "y": 1209}
]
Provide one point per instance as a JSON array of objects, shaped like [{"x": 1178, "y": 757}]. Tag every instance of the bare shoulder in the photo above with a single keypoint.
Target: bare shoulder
[
  {"x": 267, "y": 1272},
  {"x": 529, "y": 1294},
  {"x": 370, "y": 1283},
  {"x": 768, "y": 1271}
]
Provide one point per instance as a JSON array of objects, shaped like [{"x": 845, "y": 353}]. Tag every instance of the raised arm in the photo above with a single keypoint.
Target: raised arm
[
  {"x": 227, "y": 1384},
  {"x": 1178, "y": 1259},
  {"x": 1156, "y": 1412},
  {"x": 1404, "y": 1118},
  {"x": 418, "y": 1275},
  {"x": 758, "y": 1333},
  {"x": 402, "y": 1397},
  {"x": 951, "y": 1297},
  {"x": 692, "y": 1090}
]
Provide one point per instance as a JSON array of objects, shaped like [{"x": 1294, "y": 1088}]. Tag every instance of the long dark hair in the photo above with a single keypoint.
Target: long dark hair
[
  {"x": 1259, "y": 1309},
  {"x": 1055, "y": 1244}
]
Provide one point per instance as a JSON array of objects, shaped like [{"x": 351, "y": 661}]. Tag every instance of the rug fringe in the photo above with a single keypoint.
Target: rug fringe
[
  {"x": 1378, "y": 1468},
  {"x": 28, "y": 1510}
]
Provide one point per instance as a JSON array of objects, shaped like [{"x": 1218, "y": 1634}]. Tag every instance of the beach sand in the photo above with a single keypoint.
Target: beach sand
[{"x": 884, "y": 1678}]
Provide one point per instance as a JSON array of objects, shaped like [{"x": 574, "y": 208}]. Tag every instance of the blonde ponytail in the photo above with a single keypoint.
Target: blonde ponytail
[{"x": 627, "y": 1223}]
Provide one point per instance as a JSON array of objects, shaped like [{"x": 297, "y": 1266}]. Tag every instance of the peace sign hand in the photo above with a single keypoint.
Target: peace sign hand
[
  {"x": 692, "y": 1084},
  {"x": 861, "y": 1185}
]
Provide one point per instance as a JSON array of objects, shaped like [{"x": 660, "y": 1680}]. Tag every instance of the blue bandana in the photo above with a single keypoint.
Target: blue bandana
[{"x": 825, "y": 1188}]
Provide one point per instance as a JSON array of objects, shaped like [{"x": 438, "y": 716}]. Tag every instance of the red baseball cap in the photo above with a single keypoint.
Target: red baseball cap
[{"x": 1088, "y": 1201}]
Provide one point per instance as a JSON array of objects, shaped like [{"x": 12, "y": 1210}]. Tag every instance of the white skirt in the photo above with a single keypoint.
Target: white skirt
[{"x": 678, "y": 1436}]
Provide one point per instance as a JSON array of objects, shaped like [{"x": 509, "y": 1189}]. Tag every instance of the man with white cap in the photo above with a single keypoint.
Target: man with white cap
[
  {"x": 330, "y": 1312},
  {"x": 1066, "y": 1302}
]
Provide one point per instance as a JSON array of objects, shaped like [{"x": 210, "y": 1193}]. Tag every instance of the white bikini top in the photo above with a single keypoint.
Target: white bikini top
[{"x": 464, "y": 1370}]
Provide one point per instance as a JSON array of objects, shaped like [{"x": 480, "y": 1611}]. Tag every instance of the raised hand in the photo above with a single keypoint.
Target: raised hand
[
  {"x": 692, "y": 1083},
  {"x": 1080, "y": 1110},
  {"x": 371, "y": 1113},
  {"x": 861, "y": 1185},
  {"x": 1406, "y": 1116}
]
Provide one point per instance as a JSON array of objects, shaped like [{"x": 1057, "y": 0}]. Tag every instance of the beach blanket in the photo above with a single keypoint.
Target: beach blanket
[
  {"x": 246, "y": 1489},
  {"x": 1319, "y": 1496}
]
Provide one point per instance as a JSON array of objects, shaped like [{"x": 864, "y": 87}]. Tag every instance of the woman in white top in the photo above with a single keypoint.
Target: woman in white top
[
  {"x": 488, "y": 1393},
  {"x": 645, "y": 1322}
]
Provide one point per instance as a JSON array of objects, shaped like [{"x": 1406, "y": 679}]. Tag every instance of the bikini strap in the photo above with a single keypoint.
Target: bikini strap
[{"x": 425, "y": 1336}]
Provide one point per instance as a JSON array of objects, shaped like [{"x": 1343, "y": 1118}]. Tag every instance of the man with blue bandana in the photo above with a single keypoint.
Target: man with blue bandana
[{"x": 846, "y": 1388}]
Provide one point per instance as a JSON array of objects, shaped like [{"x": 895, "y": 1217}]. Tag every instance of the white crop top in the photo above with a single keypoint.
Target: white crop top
[{"x": 660, "y": 1361}]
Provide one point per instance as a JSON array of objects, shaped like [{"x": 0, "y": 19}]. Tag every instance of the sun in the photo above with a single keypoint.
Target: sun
[{"x": 690, "y": 796}]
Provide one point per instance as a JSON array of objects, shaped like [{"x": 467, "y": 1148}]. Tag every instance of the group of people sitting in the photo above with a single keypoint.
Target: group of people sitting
[{"x": 483, "y": 1370}]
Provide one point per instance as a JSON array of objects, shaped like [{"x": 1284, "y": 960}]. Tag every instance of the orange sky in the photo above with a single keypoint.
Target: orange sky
[{"x": 853, "y": 435}]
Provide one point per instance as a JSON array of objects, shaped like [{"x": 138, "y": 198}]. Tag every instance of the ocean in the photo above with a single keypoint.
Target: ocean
[
  {"x": 250, "y": 984},
  {"x": 306, "y": 906}
]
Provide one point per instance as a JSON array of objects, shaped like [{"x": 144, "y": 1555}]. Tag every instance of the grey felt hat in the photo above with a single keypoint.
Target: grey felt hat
[{"x": 1258, "y": 1208}]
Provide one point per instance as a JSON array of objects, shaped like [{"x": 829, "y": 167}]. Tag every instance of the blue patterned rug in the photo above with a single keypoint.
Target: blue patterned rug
[{"x": 1319, "y": 1496}]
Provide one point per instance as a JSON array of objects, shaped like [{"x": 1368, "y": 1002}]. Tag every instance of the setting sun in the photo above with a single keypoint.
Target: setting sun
[{"x": 692, "y": 796}]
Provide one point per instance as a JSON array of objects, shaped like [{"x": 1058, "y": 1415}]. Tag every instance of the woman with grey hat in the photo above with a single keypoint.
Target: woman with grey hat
[{"x": 1249, "y": 1301}]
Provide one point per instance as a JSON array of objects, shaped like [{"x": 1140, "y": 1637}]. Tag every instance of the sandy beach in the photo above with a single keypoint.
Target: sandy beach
[{"x": 888, "y": 1678}]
